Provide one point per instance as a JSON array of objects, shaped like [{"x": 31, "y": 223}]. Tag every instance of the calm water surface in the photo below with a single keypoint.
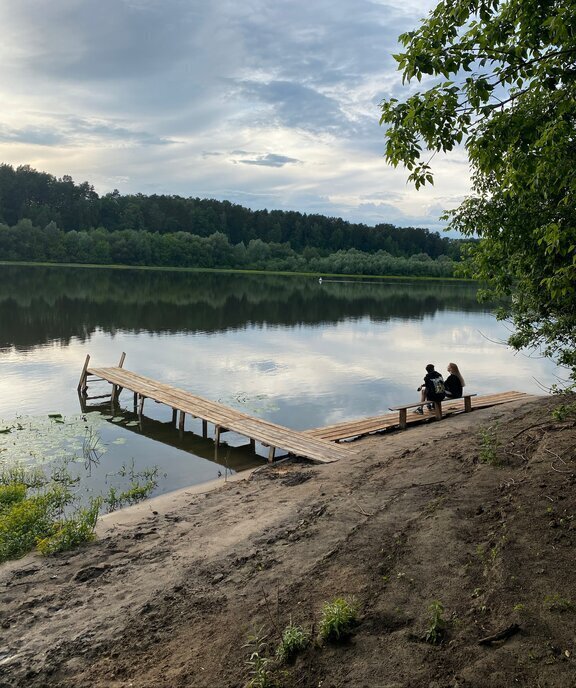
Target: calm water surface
[{"x": 287, "y": 349}]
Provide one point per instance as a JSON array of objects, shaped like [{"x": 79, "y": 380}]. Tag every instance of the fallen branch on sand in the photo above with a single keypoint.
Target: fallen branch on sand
[{"x": 501, "y": 635}]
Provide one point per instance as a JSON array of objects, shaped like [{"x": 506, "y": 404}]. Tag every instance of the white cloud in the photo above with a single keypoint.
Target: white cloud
[{"x": 156, "y": 95}]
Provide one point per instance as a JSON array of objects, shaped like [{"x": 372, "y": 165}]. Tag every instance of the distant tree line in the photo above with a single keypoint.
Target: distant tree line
[{"x": 43, "y": 218}]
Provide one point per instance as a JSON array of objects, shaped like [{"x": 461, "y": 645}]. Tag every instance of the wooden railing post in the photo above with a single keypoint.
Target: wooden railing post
[{"x": 82, "y": 386}]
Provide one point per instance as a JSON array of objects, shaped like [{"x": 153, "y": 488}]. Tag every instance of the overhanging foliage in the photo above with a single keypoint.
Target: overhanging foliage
[{"x": 505, "y": 86}]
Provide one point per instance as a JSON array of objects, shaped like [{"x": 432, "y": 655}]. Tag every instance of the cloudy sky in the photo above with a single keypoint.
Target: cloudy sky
[{"x": 266, "y": 103}]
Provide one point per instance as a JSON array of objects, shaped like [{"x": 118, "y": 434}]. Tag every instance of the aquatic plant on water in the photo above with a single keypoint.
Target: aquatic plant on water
[{"x": 41, "y": 503}]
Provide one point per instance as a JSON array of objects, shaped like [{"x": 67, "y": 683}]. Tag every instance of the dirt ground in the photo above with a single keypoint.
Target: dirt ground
[{"x": 171, "y": 591}]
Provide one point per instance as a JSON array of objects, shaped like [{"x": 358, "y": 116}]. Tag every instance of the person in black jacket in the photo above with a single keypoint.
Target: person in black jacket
[
  {"x": 454, "y": 383},
  {"x": 432, "y": 389}
]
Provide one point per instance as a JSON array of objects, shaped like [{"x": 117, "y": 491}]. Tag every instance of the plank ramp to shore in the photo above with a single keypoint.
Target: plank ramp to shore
[
  {"x": 222, "y": 417},
  {"x": 365, "y": 426}
]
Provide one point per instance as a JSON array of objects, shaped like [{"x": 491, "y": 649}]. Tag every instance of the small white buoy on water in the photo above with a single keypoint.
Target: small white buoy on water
[{"x": 319, "y": 280}]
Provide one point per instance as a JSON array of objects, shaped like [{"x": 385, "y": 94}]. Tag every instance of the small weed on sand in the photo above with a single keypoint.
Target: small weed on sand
[
  {"x": 294, "y": 640},
  {"x": 338, "y": 619},
  {"x": 489, "y": 446},
  {"x": 557, "y": 603},
  {"x": 437, "y": 629},
  {"x": 564, "y": 411},
  {"x": 258, "y": 663}
]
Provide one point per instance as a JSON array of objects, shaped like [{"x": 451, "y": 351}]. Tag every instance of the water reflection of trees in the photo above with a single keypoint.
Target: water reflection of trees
[{"x": 40, "y": 304}]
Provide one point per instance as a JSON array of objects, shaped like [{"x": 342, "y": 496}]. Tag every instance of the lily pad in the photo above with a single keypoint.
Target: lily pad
[{"x": 35, "y": 439}]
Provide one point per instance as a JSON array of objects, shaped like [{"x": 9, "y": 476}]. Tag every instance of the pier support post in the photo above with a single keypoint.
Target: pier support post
[
  {"x": 141, "y": 405},
  {"x": 82, "y": 399},
  {"x": 174, "y": 416},
  {"x": 438, "y": 410},
  {"x": 121, "y": 363},
  {"x": 402, "y": 419},
  {"x": 82, "y": 386},
  {"x": 181, "y": 423},
  {"x": 205, "y": 428},
  {"x": 271, "y": 452}
]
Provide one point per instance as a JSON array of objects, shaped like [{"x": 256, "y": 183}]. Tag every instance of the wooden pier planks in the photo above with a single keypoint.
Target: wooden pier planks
[
  {"x": 367, "y": 426},
  {"x": 223, "y": 417},
  {"x": 316, "y": 444}
]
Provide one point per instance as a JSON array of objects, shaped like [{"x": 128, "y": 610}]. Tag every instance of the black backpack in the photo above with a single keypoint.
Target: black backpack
[{"x": 435, "y": 390}]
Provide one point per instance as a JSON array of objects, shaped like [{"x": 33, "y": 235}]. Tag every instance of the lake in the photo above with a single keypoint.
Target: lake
[{"x": 288, "y": 349}]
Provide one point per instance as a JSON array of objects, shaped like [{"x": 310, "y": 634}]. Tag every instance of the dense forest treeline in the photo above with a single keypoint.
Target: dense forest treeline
[{"x": 43, "y": 218}]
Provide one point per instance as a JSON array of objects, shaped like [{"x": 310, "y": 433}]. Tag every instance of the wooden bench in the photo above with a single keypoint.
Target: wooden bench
[{"x": 437, "y": 407}]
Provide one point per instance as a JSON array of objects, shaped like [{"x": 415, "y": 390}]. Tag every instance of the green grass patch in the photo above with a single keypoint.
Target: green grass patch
[
  {"x": 26, "y": 520},
  {"x": 11, "y": 495},
  {"x": 338, "y": 619},
  {"x": 40, "y": 507},
  {"x": 71, "y": 532},
  {"x": 294, "y": 640},
  {"x": 259, "y": 665}
]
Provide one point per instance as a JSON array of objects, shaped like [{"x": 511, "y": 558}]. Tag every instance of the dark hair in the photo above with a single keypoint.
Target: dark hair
[{"x": 429, "y": 368}]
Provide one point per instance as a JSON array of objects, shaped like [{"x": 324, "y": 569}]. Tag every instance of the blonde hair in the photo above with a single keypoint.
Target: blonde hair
[{"x": 455, "y": 371}]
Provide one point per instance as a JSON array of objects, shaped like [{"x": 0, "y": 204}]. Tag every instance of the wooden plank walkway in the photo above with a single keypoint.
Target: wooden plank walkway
[
  {"x": 366, "y": 426},
  {"x": 222, "y": 417},
  {"x": 317, "y": 444}
]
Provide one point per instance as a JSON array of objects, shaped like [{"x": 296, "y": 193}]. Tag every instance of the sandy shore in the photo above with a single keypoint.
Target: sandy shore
[{"x": 172, "y": 589}]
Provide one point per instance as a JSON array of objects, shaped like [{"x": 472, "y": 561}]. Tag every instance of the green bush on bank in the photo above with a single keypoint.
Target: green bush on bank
[
  {"x": 25, "y": 519},
  {"x": 40, "y": 511}
]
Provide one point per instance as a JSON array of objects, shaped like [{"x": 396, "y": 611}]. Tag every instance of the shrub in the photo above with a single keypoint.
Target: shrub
[
  {"x": 31, "y": 513},
  {"x": 11, "y": 494},
  {"x": 22, "y": 523}
]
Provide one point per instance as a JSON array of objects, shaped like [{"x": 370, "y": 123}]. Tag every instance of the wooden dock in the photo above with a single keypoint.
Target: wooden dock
[
  {"x": 222, "y": 417},
  {"x": 317, "y": 444},
  {"x": 365, "y": 426}
]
